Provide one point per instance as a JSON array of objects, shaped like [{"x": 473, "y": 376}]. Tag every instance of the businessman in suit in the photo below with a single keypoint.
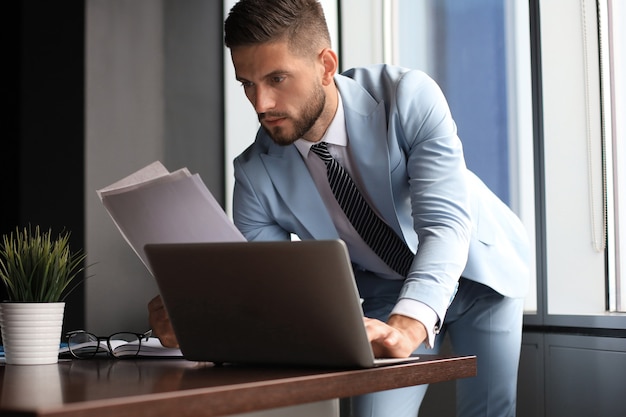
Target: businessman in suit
[{"x": 391, "y": 131}]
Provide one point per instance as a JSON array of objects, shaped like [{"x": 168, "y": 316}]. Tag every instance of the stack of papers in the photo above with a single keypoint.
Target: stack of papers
[{"x": 156, "y": 206}]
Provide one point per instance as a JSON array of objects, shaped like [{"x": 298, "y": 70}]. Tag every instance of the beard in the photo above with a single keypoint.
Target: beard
[{"x": 311, "y": 112}]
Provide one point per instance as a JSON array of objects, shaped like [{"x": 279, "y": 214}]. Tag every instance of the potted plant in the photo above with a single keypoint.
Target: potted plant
[{"x": 38, "y": 271}]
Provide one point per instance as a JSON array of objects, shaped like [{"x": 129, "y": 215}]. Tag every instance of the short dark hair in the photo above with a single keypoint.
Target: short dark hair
[{"x": 299, "y": 22}]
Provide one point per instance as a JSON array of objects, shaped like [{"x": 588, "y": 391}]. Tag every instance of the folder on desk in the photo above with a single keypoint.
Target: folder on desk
[{"x": 153, "y": 205}]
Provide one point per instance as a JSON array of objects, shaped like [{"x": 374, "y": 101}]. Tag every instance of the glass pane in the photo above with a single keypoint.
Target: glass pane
[
  {"x": 479, "y": 53},
  {"x": 85, "y": 345},
  {"x": 124, "y": 344}
]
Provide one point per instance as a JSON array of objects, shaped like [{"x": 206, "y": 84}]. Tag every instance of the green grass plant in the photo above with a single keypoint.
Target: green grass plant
[{"x": 35, "y": 267}]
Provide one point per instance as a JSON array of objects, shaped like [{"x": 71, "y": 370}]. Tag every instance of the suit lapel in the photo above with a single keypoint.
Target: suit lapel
[
  {"x": 366, "y": 124},
  {"x": 293, "y": 182}
]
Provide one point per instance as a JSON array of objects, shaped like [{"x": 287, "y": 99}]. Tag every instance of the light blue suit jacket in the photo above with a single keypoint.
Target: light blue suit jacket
[{"x": 405, "y": 146}]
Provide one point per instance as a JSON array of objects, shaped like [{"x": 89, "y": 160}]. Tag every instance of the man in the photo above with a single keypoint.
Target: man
[{"x": 465, "y": 270}]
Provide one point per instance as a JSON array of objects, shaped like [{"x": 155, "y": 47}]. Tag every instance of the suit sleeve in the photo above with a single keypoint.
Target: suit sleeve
[{"x": 440, "y": 200}]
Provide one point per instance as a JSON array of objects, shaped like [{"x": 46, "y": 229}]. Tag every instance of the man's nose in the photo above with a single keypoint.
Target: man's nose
[{"x": 263, "y": 100}]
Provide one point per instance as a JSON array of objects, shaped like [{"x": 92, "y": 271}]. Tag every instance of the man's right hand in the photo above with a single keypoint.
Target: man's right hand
[
  {"x": 160, "y": 323},
  {"x": 397, "y": 338}
]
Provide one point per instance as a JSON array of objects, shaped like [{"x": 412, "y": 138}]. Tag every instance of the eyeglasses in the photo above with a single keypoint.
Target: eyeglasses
[{"x": 85, "y": 345}]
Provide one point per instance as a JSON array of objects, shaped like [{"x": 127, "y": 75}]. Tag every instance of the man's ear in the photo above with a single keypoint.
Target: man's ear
[{"x": 330, "y": 63}]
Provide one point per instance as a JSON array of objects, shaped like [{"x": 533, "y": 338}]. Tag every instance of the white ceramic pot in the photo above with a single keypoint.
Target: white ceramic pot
[{"x": 31, "y": 332}]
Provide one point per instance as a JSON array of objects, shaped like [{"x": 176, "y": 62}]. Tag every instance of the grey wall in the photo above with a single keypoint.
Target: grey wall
[{"x": 153, "y": 92}]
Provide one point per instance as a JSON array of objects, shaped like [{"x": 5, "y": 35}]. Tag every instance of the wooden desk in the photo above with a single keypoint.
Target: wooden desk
[{"x": 95, "y": 388}]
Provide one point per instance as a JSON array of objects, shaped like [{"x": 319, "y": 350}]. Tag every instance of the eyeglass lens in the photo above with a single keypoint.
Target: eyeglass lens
[
  {"x": 124, "y": 344},
  {"x": 85, "y": 345}
]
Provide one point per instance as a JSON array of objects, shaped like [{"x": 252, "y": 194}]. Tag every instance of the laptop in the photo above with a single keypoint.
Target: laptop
[{"x": 268, "y": 303}]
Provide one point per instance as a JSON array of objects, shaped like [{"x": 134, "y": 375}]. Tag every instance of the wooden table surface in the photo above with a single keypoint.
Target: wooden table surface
[{"x": 176, "y": 387}]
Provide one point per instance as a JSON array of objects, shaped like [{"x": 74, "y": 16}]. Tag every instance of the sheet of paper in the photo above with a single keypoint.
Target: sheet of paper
[
  {"x": 167, "y": 208},
  {"x": 150, "y": 172},
  {"x": 174, "y": 176}
]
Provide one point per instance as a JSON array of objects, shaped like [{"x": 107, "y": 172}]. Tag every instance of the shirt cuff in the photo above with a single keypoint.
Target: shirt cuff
[{"x": 420, "y": 311}]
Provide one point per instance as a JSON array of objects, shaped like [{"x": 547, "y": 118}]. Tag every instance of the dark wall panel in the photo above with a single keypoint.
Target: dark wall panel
[
  {"x": 42, "y": 153},
  {"x": 585, "y": 376},
  {"x": 530, "y": 386}
]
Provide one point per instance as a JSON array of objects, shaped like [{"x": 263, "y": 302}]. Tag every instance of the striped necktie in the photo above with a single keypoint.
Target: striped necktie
[{"x": 372, "y": 229}]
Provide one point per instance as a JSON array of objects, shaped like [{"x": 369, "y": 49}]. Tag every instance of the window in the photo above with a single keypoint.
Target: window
[
  {"x": 479, "y": 53},
  {"x": 584, "y": 202}
]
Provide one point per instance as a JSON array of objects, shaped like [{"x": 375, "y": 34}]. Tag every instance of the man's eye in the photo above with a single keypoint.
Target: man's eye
[
  {"x": 246, "y": 84},
  {"x": 278, "y": 79}
]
